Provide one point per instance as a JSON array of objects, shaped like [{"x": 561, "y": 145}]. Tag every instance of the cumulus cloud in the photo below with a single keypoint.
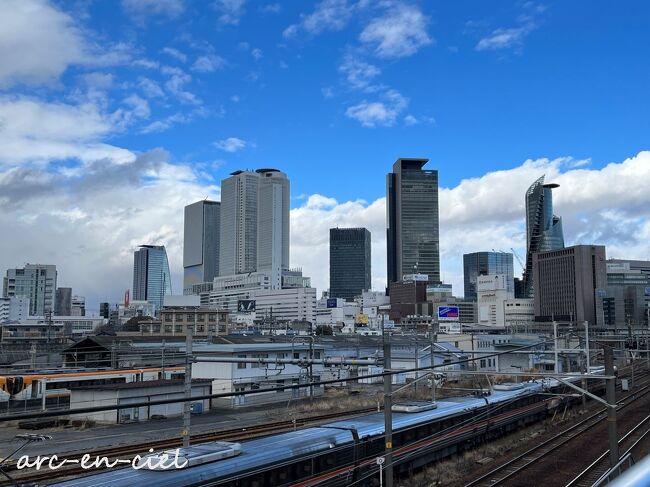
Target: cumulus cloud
[
  {"x": 231, "y": 144},
  {"x": 208, "y": 63},
  {"x": 37, "y": 43},
  {"x": 400, "y": 32},
  {"x": 357, "y": 72},
  {"x": 382, "y": 112},
  {"x": 230, "y": 11},
  {"x": 328, "y": 15},
  {"x": 139, "y": 10}
]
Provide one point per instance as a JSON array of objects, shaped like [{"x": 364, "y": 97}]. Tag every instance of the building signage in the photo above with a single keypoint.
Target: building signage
[
  {"x": 246, "y": 305},
  {"x": 448, "y": 313},
  {"x": 451, "y": 328},
  {"x": 332, "y": 302}
]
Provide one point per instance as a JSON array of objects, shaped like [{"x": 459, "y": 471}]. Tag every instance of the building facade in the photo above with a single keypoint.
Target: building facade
[
  {"x": 36, "y": 282},
  {"x": 412, "y": 237},
  {"x": 625, "y": 301},
  {"x": 176, "y": 319},
  {"x": 567, "y": 282},
  {"x": 493, "y": 292},
  {"x": 151, "y": 276},
  {"x": 350, "y": 257},
  {"x": 238, "y": 229},
  {"x": 14, "y": 309},
  {"x": 273, "y": 224},
  {"x": 297, "y": 304},
  {"x": 78, "y": 306},
  {"x": 201, "y": 227},
  {"x": 519, "y": 314},
  {"x": 543, "y": 228},
  {"x": 486, "y": 263},
  {"x": 63, "y": 301}
]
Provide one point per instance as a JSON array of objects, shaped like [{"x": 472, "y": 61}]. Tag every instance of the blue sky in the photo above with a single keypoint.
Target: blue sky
[{"x": 102, "y": 102}]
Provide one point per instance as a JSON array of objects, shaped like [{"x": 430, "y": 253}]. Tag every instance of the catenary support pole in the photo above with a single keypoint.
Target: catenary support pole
[
  {"x": 388, "y": 412},
  {"x": 187, "y": 405},
  {"x": 611, "y": 409}
]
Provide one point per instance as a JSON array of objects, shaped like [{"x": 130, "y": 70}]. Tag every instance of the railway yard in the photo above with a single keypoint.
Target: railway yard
[{"x": 572, "y": 443}]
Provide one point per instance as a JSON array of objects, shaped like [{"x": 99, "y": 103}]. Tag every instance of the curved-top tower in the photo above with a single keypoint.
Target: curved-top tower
[{"x": 543, "y": 228}]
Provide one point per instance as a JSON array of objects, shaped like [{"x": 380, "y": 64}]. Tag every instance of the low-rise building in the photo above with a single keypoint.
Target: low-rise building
[
  {"x": 492, "y": 292},
  {"x": 175, "y": 320},
  {"x": 137, "y": 392},
  {"x": 519, "y": 314},
  {"x": 240, "y": 377},
  {"x": 14, "y": 309}
]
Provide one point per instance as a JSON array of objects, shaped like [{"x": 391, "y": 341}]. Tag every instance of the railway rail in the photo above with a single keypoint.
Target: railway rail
[
  {"x": 507, "y": 472},
  {"x": 234, "y": 434}
]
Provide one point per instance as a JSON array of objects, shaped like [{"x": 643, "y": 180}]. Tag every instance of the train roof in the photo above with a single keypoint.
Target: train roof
[{"x": 258, "y": 453}]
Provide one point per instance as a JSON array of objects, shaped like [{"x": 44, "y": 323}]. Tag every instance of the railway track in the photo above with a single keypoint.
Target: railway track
[
  {"x": 234, "y": 434},
  {"x": 515, "y": 467}
]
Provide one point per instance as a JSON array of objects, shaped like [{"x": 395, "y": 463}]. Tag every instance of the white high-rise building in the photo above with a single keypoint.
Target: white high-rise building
[
  {"x": 254, "y": 230},
  {"x": 238, "y": 227},
  {"x": 78, "y": 306},
  {"x": 273, "y": 224},
  {"x": 492, "y": 293},
  {"x": 36, "y": 282}
]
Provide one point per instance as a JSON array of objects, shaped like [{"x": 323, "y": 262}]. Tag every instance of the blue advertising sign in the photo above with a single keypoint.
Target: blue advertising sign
[
  {"x": 331, "y": 302},
  {"x": 449, "y": 313}
]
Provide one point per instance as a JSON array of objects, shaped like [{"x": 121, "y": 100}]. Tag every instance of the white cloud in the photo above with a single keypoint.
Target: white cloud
[
  {"x": 175, "y": 84},
  {"x": 37, "y": 43},
  {"x": 328, "y": 15},
  {"x": 231, "y": 144},
  {"x": 139, "y": 10},
  {"x": 99, "y": 81},
  {"x": 257, "y": 53},
  {"x": 230, "y": 11},
  {"x": 358, "y": 73},
  {"x": 150, "y": 88},
  {"x": 505, "y": 38},
  {"x": 410, "y": 120},
  {"x": 271, "y": 8},
  {"x": 400, "y": 32},
  {"x": 175, "y": 119},
  {"x": 175, "y": 53},
  {"x": 208, "y": 63},
  {"x": 140, "y": 106},
  {"x": 34, "y": 131},
  {"x": 384, "y": 112}
]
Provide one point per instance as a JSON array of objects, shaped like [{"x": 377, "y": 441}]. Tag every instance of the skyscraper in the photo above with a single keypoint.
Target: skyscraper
[
  {"x": 349, "y": 262},
  {"x": 151, "y": 276},
  {"x": 63, "y": 302},
  {"x": 35, "y": 281},
  {"x": 273, "y": 224},
  {"x": 486, "y": 263},
  {"x": 543, "y": 228},
  {"x": 254, "y": 232},
  {"x": 413, "y": 221},
  {"x": 238, "y": 229},
  {"x": 201, "y": 242}
]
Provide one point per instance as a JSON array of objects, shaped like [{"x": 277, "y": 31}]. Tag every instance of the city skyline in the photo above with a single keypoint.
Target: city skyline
[{"x": 116, "y": 118}]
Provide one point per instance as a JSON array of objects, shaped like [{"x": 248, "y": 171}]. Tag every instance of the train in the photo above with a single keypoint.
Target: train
[
  {"x": 57, "y": 383},
  {"x": 345, "y": 452}
]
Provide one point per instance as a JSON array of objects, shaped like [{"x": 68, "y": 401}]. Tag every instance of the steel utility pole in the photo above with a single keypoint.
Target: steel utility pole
[
  {"x": 187, "y": 405},
  {"x": 388, "y": 410},
  {"x": 433, "y": 336},
  {"x": 611, "y": 408}
]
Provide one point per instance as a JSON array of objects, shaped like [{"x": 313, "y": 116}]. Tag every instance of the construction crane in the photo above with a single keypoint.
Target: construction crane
[{"x": 521, "y": 263}]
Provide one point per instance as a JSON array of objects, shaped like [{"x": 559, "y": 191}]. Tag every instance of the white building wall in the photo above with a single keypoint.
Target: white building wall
[
  {"x": 519, "y": 313},
  {"x": 288, "y": 304},
  {"x": 492, "y": 292}
]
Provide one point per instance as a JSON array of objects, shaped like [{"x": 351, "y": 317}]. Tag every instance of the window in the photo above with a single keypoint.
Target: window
[
  {"x": 482, "y": 363},
  {"x": 241, "y": 365},
  {"x": 190, "y": 318},
  {"x": 316, "y": 354},
  {"x": 168, "y": 317}
]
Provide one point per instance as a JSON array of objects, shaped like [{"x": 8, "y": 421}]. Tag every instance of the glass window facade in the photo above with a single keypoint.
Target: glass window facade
[
  {"x": 483, "y": 264},
  {"x": 349, "y": 262}
]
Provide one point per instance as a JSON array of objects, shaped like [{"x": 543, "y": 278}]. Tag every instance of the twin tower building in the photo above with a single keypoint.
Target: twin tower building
[{"x": 248, "y": 231}]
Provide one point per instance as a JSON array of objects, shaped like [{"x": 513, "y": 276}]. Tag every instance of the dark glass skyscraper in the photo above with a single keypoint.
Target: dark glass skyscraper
[
  {"x": 349, "y": 262},
  {"x": 151, "y": 276},
  {"x": 543, "y": 228},
  {"x": 413, "y": 223},
  {"x": 201, "y": 242},
  {"x": 483, "y": 264}
]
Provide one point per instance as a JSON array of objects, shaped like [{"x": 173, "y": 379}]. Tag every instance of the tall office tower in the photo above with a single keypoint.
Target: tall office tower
[
  {"x": 543, "y": 228},
  {"x": 78, "y": 307},
  {"x": 151, "y": 276},
  {"x": 105, "y": 310},
  {"x": 413, "y": 222},
  {"x": 273, "y": 224},
  {"x": 63, "y": 302},
  {"x": 36, "y": 282},
  {"x": 201, "y": 242},
  {"x": 238, "y": 229},
  {"x": 568, "y": 282},
  {"x": 486, "y": 263},
  {"x": 349, "y": 262}
]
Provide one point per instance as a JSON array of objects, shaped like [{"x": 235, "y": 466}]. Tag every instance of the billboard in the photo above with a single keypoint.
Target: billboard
[
  {"x": 331, "y": 302},
  {"x": 246, "y": 305},
  {"x": 451, "y": 327},
  {"x": 448, "y": 313}
]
